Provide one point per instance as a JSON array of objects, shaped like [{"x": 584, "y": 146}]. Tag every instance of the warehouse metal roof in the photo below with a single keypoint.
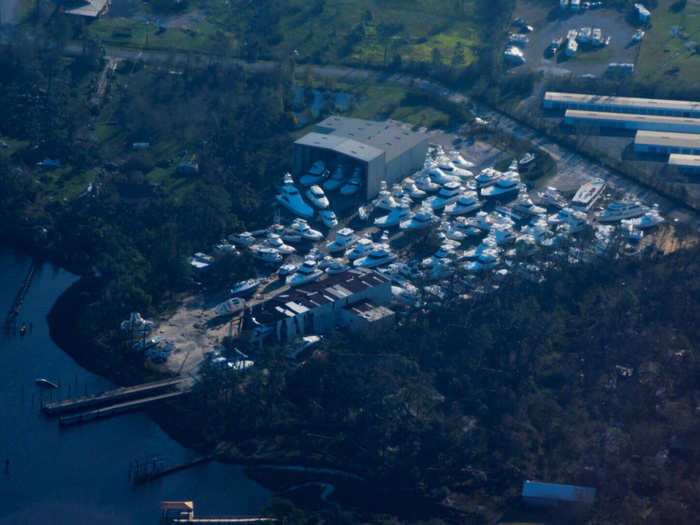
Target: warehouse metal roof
[
  {"x": 389, "y": 136},
  {"x": 339, "y": 144},
  {"x": 679, "y": 159},
  {"x": 649, "y": 103},
  {"x": 665, "y": 138},
  {"x": 631, "y": 117},
  {"x": 554, "y": 491}
]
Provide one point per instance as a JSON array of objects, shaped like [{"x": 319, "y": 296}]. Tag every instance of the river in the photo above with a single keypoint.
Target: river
[{"x": 79, "y": 475}]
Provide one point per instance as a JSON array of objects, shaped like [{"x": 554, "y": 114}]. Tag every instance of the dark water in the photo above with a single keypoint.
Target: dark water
[{"x": 79, "y": 475}]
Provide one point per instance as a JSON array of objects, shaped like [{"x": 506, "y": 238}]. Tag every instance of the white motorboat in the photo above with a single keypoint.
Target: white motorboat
[
  {"x": 242, "y": 239},
  {"x": 266, "y": 254},
  {"x": 290, "y": 235},
  {"x": 621, "y": 210},
  {"x": 448, "y": 194},
  {"x": 224, "y": 247},
  {"x": 378, "y": 256},
  {"x": 451, "y": 170},
  {"x": 353, "y": 185},
  {"x": 466, "y": 226},
  {"x": 306, "y": 273},
  {"x": 561, "y": 217},
  {"x": 575, "y": 223},
  {"x": 424, "y": 183},
  {"x": 328, "y": 218},
  {"x": 525, "y": 207},
  {"x": 42, "y": 381},
  {"x": 448, "y": 230},
  {"x": 483, "y": 221},
  {"x": 302, "y": 227},
  {"x": 439, "y": 177},
  {"x": 422, "y": 219},
  {"x": 551, "y": 197},
  {"x": 488, "y": 258},
  {"x": 344, "y": 239},
  {"x": 290, "y": 198},
  {"x": 337, "y": 266},
  {"x": 502, "y": 234},
  {"x": 587, "y": 194},
  {"x": 287, "y": 269},
  {"x": 362, "y": 247},
  {"x": 275, "y": 241},
  {"x": 363, "y": 212},
  {"x": 317, "y": 197},
  {"x": 459, "y": 161},
  {"x": 385, "y": 201},
  {"x": 315, "y": 254},
  {"x": 648, "y": 220},
  {"x": 466, "y": 203},
  {"x": 137, "y": 323},
  {"x": 628, "y": 229},
  {"x": 399, "y": 214},
  {"x": 506, "y": 186},
  {"x": 487, "y": 177},
  {"x": 336, "y": 180},
  {"x": 412, "y": 190},
  {"x": 230, "y": 306},
  {"x": 244, "y": 288},
  {"x": 316, "y": 175}
]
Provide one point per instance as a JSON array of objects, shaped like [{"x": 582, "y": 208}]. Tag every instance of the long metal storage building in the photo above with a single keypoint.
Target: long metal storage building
[
  {"x": 666, "y": 142},
  {"x": 643, "y": 106},
  {"x": 632, "y": 121}
]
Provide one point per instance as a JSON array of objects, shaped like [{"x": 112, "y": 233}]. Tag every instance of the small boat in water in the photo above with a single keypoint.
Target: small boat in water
[
  {"x": 42, "y": 381},
  {"x": 23, "y": 329}
]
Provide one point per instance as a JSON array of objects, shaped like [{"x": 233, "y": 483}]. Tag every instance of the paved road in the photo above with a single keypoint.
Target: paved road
[{"x": 573, "y": 168}]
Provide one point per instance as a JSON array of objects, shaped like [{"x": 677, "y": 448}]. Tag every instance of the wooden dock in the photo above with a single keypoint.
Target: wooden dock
[
  {"x": 151, "y": 475},
  {"x": 113, "y": 410},
  {"x": 110, "y": 397},
  {"x": 18, "y": 303}
]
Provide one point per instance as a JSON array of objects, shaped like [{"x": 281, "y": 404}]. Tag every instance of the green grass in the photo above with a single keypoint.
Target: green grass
[
  {"x": 411, "y": 30},
  {"x": 593, "y": 56},
  {"x": 664, "y": 58}
]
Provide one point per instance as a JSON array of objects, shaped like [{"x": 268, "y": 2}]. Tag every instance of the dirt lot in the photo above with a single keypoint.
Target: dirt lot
[{"x": 554, "y": 23}]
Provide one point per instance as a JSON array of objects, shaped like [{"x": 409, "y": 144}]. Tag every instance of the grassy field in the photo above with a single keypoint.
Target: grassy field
[
  {"x": 668, "y": 58},
  {"x": 367, "y": 32}
]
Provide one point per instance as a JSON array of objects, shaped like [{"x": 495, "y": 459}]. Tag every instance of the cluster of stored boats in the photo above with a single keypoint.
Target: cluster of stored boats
[{"x": 483, "y": 221}]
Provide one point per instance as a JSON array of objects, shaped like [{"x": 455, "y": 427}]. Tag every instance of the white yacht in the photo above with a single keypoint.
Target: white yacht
[
  {"x": 551, "y": 197},
  {"x": 621, "y": 210},
  {"x": 378, "y": 256},
  {"x": 648, "y": 220},
  {"x": 438, "y": 176},
  {"x": 502, "y": 234},
  {"x": 449, "y": 193},
  {"x": 316, "y": 175},
  {"x": 487, "y": 177},
  {"x": 224, "y": 247},
  {"x": 525, "y": 207},
  {"x": 242, "y": 239},
  {"x": 353, "y": 185},
  {"x": 244, "y": 288},
  {"x": 291, "y": 235},
  {"x": 290, "y": 198},
  {"x": 587, "y": 194},
  {"x": 287, "y": 269},
  {"x": 459, "y": 161},
  {"x": 328, "y": 218},
  {"x": 337, "y": 266},
  {"x": 466, "y": 226},
  {"x": 488, "y": 258},
  {"x": 275, "y": 241},
  {"x": 230, "y": 306},
  {"x": 422, "y": 219},
  {"x": 466, "y": 203},
  {"x": 385, "y": 201},
  {"x": 306, "y": 273},
  {"x": 424, "y": 183},
  {"x": 483, "y": 221},
  {"x": 399, "y": 214},
  {"x": 629, "y": 231},
  {"x": 449, "y": 231},
  {"x": 317, "y": 197},
  {"x": 575, "y": 223},
  {"x": 344, "y": 239},
  {"x": 561, "y": 217},
  {"x": 336, "y": 180},
  {"x": 362, "y": 247},
  {"x": 137, "y": 323},
  {"x": 302, "y": 227},
  {"x": 266, "y": 254},
  {"x": 507, "y": 186},
  {"x": 410, "y": 189}
]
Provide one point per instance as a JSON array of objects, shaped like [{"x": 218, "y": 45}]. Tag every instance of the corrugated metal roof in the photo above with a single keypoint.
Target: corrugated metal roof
[
  {"x": 339, "y": 144},
  {"x": 666, "y": 138},
  {"x": 649, "y": 103},
  {"x": 631, "y": 117},
  {"x": 679, "y": 159},
  {"x": 555, "y": 491}
]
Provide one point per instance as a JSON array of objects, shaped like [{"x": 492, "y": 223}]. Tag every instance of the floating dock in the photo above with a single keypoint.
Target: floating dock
[
  {"x": 183, "y": 512},
  {"x": 110, "y": 397},
  {"x": 155, "y": 474}
]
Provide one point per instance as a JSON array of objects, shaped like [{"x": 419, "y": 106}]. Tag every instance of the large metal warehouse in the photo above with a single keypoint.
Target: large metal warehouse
[
  {"x": 383, "y": 150},
  {"x": 665, "y": 142},
  {"x": 643, "y": 106},
  {"x": 632, "y": 121}
]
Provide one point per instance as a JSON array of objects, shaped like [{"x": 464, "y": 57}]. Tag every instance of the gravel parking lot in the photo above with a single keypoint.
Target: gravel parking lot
[{"x": 555, "y": 24}]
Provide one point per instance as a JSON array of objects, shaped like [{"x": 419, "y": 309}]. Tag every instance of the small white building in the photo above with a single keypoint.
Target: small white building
[{"x": 642, "y": 12}]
